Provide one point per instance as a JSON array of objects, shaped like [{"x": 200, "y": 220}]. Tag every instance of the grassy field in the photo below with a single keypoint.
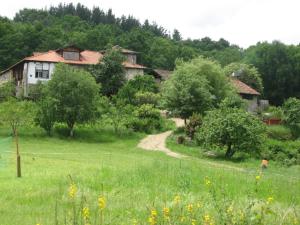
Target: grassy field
[{"x": 133, "y": 181}]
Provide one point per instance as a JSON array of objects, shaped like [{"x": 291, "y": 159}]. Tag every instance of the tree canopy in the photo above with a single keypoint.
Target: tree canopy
[
  {"x": 75, "y": 93},
  {"x": 195, "y": 87}
]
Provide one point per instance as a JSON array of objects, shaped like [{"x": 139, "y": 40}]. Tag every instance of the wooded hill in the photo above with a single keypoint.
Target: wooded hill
[{"x": 41, "y": 30}]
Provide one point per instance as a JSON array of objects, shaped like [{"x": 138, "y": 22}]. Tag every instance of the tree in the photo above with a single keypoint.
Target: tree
[
  {"x": 143, "y": 83},
  {"x": 245, "y": 73},
  {"x": 291, "y": 111},
  {"x": 109, "y": 72},
  {"x": 75, "y": 92},
  {"x": 279, "y": 66},
  {"x": 46, "y": 114},
  {"x": 234, "y": 128},
  {"x": 15, "y": 114},
  {"x": 195, "y": 87},
  {"x": 176, "y": 35}
]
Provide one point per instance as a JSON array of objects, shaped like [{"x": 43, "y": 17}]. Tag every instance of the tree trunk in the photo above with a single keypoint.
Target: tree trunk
[
  {"x": 229, "y": 153},
  {"x": 18, "y": 154},
  {"x": 71, "y": 129}
]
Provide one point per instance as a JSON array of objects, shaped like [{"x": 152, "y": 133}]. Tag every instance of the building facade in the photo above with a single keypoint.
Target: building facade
[{"x": 41, "y": 65}]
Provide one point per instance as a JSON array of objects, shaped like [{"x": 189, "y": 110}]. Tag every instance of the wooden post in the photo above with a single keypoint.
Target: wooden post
[{"x": 18, "y": 155}]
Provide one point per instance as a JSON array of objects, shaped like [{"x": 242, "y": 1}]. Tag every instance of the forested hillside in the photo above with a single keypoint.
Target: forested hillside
[{"x": 40, "y": 30}]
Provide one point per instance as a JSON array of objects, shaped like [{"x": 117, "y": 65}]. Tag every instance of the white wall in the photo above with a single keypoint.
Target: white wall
[{"x": 31, "y": 72}]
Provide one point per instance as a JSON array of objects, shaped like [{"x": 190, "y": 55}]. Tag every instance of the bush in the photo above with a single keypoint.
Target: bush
[
  {"x": 142, "y": 83},
  {"x": 145, "y": 118},
  {"x": 284, "y": 152},
  {"x": 291, "y": 110},
  {"x": 279, "y": 132},
  {"x": 7, "y": 90},
  {"x": 194, "y": 123},
  {"x": 142, "y": 98}
]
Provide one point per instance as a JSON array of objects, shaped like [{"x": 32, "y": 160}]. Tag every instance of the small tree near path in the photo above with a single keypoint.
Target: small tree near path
[
  {"x": 75, "y": 93},
  {"x": 16, "y": 114},
  {"x": 233, "y": 128}
]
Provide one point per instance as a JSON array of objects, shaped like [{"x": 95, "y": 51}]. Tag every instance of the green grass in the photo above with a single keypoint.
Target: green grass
[{"x": 133, "y": 180}]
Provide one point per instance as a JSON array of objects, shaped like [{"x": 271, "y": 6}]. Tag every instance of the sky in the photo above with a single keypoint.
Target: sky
[{"x": 241, "y": 22}]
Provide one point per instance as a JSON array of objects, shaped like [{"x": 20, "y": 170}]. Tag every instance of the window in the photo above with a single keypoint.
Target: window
[{"x": 42, "y": 70}]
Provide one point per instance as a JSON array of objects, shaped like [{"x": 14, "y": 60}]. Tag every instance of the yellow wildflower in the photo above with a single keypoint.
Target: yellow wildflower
[
  {"x": 182, "y": 219},
  {"x": 257, "y": 178},
  {"x": 190, "y": 207},
  {"x": 270, "y": 200},
  {"x": 194, "y": 222},
  {"x": 86, "y": 213},
  {"x": 72, "y": 191},
  {"x": 207, "y": 220},
  {"x": 151, "y": 221},
  {"x": 177, "y": 199},
  {"x": 101, "y": 202},
  {"x": 166, "y": 212},
  {"x": 153, "y": 213},
  {"x": 207, "y": 181},
  {"x": 229, "y": 210}
]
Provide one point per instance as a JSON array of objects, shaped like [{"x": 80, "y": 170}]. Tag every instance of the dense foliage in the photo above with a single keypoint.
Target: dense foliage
[
  {"x": 232, "y": 128},
  {"x": 291, "y": 111},
  {"x": 110, "y": 72},
  {"x": 75, "y": 93},
  {"x": 194, "y": 87}
]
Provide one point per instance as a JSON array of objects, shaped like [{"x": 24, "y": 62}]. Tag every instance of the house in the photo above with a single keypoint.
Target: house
[
  {"x": 247, "y": 93},
  {"x": 40, "y": 66}
]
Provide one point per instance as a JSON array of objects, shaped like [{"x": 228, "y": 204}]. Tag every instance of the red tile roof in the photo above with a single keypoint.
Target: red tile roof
[
  {"x": 243, "y": 88},
  {"x": 86, "y": 58}
]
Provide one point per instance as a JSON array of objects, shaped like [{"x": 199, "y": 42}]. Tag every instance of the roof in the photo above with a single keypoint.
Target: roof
[
  {"x": 243, "y": 88},
  {"x": 87, "y": 57},
  {"x": 123, "y": 50},
  {"x": 164, "y": 74},
  {"x": 133, "y": 66}
]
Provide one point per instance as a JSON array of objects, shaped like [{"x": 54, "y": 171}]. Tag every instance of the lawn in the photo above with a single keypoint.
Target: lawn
[{"x": 133, "y": 181}]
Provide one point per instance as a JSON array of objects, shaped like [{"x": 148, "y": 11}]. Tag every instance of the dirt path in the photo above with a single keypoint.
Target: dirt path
[{"x": 157, "y": 142}]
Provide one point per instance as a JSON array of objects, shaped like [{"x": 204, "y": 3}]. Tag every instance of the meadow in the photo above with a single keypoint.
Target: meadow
[{"x": 136, "y": 184}]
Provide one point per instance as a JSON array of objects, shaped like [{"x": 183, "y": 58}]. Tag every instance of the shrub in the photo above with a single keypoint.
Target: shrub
[
  {"x": 145, "y": 118},
  {"x": 194, "y": 123},
  {"x": 142, "y": 83},
  {"x": 284, "y": 152},
  {"x": 147, "y": 97},
  {"x": 279, "y": 132},
  {"x": 7, "y": 90},
  {"x": 291, "y": 110},
  {"x": 234, "y": 128}
]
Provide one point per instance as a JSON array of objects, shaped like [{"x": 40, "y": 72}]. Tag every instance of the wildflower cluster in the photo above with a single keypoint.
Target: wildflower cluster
[
  {"x": 153, "y": 217},
  {"x": 101, "y": 202},
  {"x": 72, "y": 191}
]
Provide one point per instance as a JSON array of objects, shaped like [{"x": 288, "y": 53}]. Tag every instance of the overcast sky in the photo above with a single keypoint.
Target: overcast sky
[{"x": 242, "y": 22}]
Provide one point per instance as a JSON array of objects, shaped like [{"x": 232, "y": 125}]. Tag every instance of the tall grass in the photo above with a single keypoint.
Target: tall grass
[{"x": 132, "y": 181}]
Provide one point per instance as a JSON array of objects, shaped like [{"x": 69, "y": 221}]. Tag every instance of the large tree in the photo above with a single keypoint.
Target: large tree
[
  {"x": 75, "y": 93},
  {"x": 279, "y": 66},
  {"x": 195, "y": 87}
]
